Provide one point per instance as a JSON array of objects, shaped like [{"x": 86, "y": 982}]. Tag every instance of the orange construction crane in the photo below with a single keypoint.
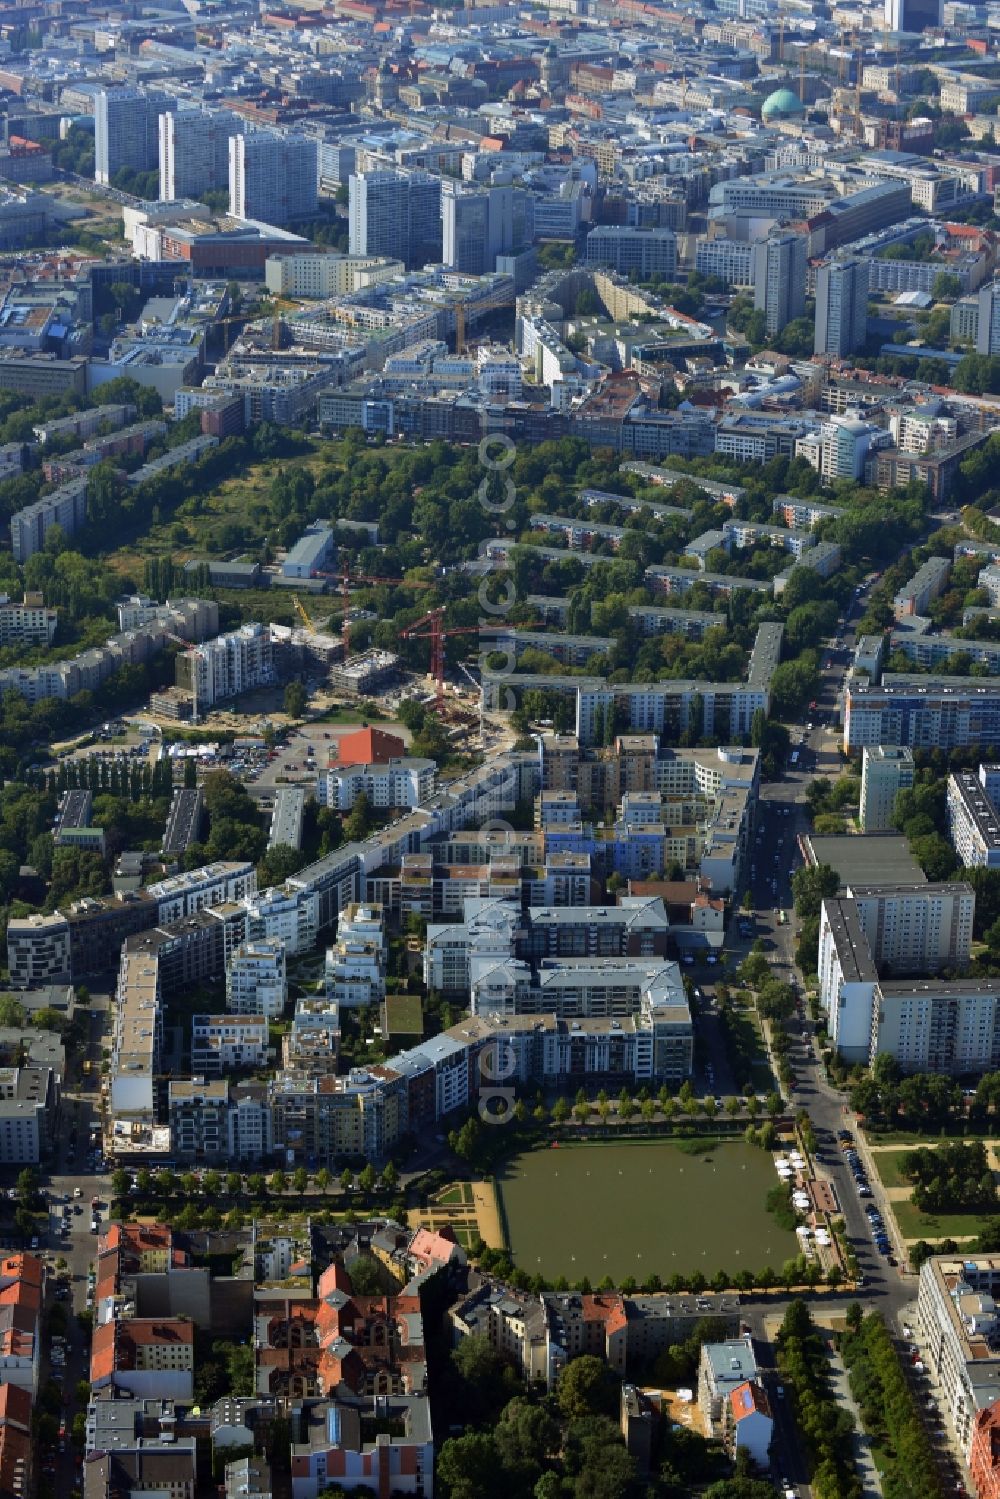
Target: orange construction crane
[{"x": 345, "y": 580}]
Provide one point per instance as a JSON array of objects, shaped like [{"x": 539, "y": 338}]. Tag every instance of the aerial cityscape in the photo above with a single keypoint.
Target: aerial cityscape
[{"x": 500, "y": 749}]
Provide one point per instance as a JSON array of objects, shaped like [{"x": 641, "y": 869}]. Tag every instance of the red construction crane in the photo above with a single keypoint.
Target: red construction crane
[
  {"x": 429, "y": 627},
  {"x": 346, "y": 579}
]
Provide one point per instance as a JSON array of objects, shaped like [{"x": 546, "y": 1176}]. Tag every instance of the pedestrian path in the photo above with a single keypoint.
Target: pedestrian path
[{"x": 871, "y": 1482}]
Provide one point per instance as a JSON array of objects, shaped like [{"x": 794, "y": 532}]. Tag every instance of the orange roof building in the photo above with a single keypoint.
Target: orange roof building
[
  {"x": 150, "y": 1357},
  {"x": 15, "y": 1441},
  {"x": 984, "y": 1452},
  {"x": 368, "y": 747}
]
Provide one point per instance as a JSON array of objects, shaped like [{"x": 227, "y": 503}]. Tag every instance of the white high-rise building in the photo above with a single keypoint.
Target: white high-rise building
[
  {"x": 272, "y": 177},
  {"x": 228, "y": 665},
  {"x": 194, "y": 151},
  {"x": 841, "y": 306},
  {"x": 255, "y": 979},
  {"x": 779, "y": 279},
  {"x": 126, "y": 131},
  {"x": 355, "y": 964},
  {"x": 886, "y": 770}
]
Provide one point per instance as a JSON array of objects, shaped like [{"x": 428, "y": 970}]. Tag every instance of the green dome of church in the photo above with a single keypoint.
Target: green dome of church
[{"x": 781, "y": 105}]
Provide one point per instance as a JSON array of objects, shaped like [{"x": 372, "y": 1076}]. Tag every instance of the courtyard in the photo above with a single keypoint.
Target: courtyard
[{"x": 641, "y": 1207}]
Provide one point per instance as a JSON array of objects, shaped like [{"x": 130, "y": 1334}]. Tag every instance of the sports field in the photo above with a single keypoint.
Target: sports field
[{"x": 638, "y": 1207}]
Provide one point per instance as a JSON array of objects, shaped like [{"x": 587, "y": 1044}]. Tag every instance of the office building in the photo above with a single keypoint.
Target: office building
[
  {"x": 886, "y": 770},
  {"x": 729, "y": 259},
  {"x": 396, "y": 214},
  {"x": 841, "y": 306},
  {"x": 479, "y": 226},
  {"x": 779, "y": 279},
  {"x": 912, "y": 15},
  {"x": 272, "y": 178},
  {"x": 646, "y": 252},
  {"x": 126, "y": 132},
  {"x": 194, "y": 151}
]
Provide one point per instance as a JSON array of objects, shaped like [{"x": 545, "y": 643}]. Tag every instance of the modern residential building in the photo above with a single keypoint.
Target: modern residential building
[
  {"x": 29, "y": 1115},
  {"x": 272, "y": 177},
  {"x": 286, "y": 819},
  {"x": 886, "y": 770},
  {"x": 779, "y": 279},
  {"x": 723, "y": 1368},
  {"x": 221, "y": 1044},
  {"x": 198, "y": 1119},
  {"x": 841, "y": 306},
  {"x": 356, "y": 963},
  {"x": 228, "y": 665},
  {"x": 183, "y": 821},
  {"x": 398, "y": 783},
  {"x": 256, "y": 983},
  {"x": 957, "y": 1327}
]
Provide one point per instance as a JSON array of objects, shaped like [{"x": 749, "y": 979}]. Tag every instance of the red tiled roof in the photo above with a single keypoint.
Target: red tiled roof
[
  {"x": 368, "y": 747},
  {"x": 102, "y": 1352},
  {"x": 15, "y": 1406}
]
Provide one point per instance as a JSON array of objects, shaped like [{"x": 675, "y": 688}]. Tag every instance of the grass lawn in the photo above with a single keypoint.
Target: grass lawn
[
  {"x": 911, "y": 1141},
  {"x": 404, "y": 1015},
  {"x": 887, "y": 1166},
  {"x": 913, "y": 1224},
  {"x": 634, "y": 1207}
]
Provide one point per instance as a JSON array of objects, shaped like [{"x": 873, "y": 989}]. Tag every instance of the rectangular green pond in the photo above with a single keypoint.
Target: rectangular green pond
[{"x": 639, "y": 1207}]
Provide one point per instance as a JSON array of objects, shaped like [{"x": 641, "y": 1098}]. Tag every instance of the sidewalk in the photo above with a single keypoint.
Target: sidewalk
[{"x": 871, "y": 1482}]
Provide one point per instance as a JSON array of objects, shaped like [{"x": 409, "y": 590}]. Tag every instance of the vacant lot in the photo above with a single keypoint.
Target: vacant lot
[{"x": 639, "y": 1207}]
